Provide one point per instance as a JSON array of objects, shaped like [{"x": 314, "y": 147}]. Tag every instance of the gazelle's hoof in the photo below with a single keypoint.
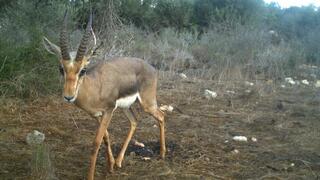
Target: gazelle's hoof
[
  {"x": 111, "y": 167},
  {"x": 162, "y": 154},
  {"x": 118, "y": 165},
  {"x": 118, "y": 162},
  {"x": 111, "y": 170}
]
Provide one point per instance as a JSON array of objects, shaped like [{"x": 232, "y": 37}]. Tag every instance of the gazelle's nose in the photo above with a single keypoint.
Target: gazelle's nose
[{"x": 68, "y": 98}]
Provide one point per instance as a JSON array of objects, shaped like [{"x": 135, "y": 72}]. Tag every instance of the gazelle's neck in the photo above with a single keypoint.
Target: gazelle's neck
[{"x": 85, "y": 89}]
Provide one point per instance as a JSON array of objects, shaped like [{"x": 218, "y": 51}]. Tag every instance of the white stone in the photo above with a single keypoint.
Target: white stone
[
  {"x": 230, "y": 92},
  {"x": 290, "y": 80},
  {"x": 166, "y": 108},
  {"x": 254, "y": 139},
  {"x": 305, "y": 82},
  {"x": 98, "y": 114},
  {"x": 317, "y": 84},
  {"x": 240, "y": 138},
  {"x": 35, "y": 137},
  {"x": 146, "y": 158},
  {"x": 137, "y": 143},
  {"x": 292, "y": 164},
  {"x": 248, "y": 83},
  {"x": 210, "y": 94},
  {"x": 236, "y": 151},
  {"x": 183, "y": 76}
]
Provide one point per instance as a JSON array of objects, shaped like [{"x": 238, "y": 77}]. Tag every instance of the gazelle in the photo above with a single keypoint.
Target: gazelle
[{"x": 102, "y": 88}]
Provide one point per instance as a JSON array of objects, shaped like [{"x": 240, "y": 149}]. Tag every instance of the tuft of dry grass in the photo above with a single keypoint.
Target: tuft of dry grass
[{"x": 41, "y": 164}]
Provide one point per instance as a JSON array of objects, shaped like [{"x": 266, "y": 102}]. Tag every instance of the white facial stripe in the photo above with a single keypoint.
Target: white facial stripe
[
  {"x": 78, "y": 81},
  {"x": 73, "y": 55},
  {"x": 70, "y": 64},
  {"x": 127, "y": 101},
  {"x": 77, "y": 89}
]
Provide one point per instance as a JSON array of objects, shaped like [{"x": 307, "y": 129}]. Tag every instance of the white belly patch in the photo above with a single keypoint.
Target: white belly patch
[{"x": 126, "y": 102}]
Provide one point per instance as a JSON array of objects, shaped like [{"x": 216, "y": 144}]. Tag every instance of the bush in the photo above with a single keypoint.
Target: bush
[
  {"x": 221, "y": 40},
  {"x": 41, "y": 164},
  {"x": 26, "y": 70}
]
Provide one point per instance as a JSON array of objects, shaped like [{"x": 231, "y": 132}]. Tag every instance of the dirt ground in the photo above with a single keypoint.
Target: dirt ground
[{"x": 199, "y": 132}]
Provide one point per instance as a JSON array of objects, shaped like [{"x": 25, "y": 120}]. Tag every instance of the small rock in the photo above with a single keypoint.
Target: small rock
[
  {"x": 240, "y": 138},
  {"x": 155, "y": 126},
  {"x": 210, "y": 94},
  {"x": 132, "y": 154},
  {"x": 166, "y": 108},
  {"x": 137, "y": 143},
  {"x": 35, "y": 137},
  {"x": 183, "y": 76},
  {"x": 207, "y": 159},
  {"x": 248, "y": 91},
  {"x": 292, "y": 164},
  {"x": 230, "y": 92},
  {"x": 305, "y": 82},
  {"x": 235, "y": 151},
  {"x": 248, "y": 83},
  {"x": 290, "y": 80},
  {"x": 146, "y": 158},
  {"x": 283, "y": 86},
  {"x": 317, "y": 84},
  {"x": 253, "y": 139}
]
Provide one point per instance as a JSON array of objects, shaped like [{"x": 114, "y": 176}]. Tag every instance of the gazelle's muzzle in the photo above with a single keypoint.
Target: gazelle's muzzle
[{"x": 70, "y": 90}]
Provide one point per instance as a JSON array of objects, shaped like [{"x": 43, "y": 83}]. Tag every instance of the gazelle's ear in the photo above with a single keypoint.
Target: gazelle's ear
[{"x": 51, "y": 48}]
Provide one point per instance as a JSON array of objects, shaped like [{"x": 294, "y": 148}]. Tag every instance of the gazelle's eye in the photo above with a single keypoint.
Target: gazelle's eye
[
  {"x": 82, "y": 72},
  {"x": 61, "y": 70}
]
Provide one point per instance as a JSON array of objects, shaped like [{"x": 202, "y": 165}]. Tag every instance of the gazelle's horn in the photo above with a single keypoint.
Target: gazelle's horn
[
  {"x": 84, "y": 41},
  {"x": 64, "y": 39}
]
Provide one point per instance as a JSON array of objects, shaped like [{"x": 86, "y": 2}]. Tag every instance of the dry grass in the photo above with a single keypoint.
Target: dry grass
[
  {"x": 197, "y": 131},
  {"x": 41, "y": 164}
]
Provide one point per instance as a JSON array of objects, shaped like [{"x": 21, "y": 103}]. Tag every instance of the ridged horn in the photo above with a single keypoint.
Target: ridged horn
[
  {"x": 84, "y": 41},
  {"x": 64, "y": 39}
]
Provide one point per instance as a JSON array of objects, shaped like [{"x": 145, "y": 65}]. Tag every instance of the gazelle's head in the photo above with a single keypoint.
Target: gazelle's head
[{"x": 72, "y": 64}]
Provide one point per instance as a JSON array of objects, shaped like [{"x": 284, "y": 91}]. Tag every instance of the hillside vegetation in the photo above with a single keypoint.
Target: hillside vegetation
[{"x": 214, "y": 39}]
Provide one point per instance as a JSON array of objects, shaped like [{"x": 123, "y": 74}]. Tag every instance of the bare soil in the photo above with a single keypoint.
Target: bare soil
[{"x": 285, "y": 122}]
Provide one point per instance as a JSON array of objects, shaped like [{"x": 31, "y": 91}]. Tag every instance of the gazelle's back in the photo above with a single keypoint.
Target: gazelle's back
[{"x": 124, "y": 76}]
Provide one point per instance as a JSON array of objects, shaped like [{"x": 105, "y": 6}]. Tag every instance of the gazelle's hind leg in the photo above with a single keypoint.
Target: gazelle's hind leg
[
  {"x": 149, "y": 103},
  {"x": 133, "y": 125},
  {"x": 109, "y": 155}
]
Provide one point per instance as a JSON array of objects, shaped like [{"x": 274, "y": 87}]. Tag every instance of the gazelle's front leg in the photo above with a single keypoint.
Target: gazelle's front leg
[
  {"x": 133, "y": 125},
  {"x": 159, "y": 116},
  {"x": 102, "y": 130},
  {"x": 109, "y": 155}
]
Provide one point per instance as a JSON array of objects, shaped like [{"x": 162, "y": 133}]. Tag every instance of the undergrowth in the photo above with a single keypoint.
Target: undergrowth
[{"x": 222, "y": 54}]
